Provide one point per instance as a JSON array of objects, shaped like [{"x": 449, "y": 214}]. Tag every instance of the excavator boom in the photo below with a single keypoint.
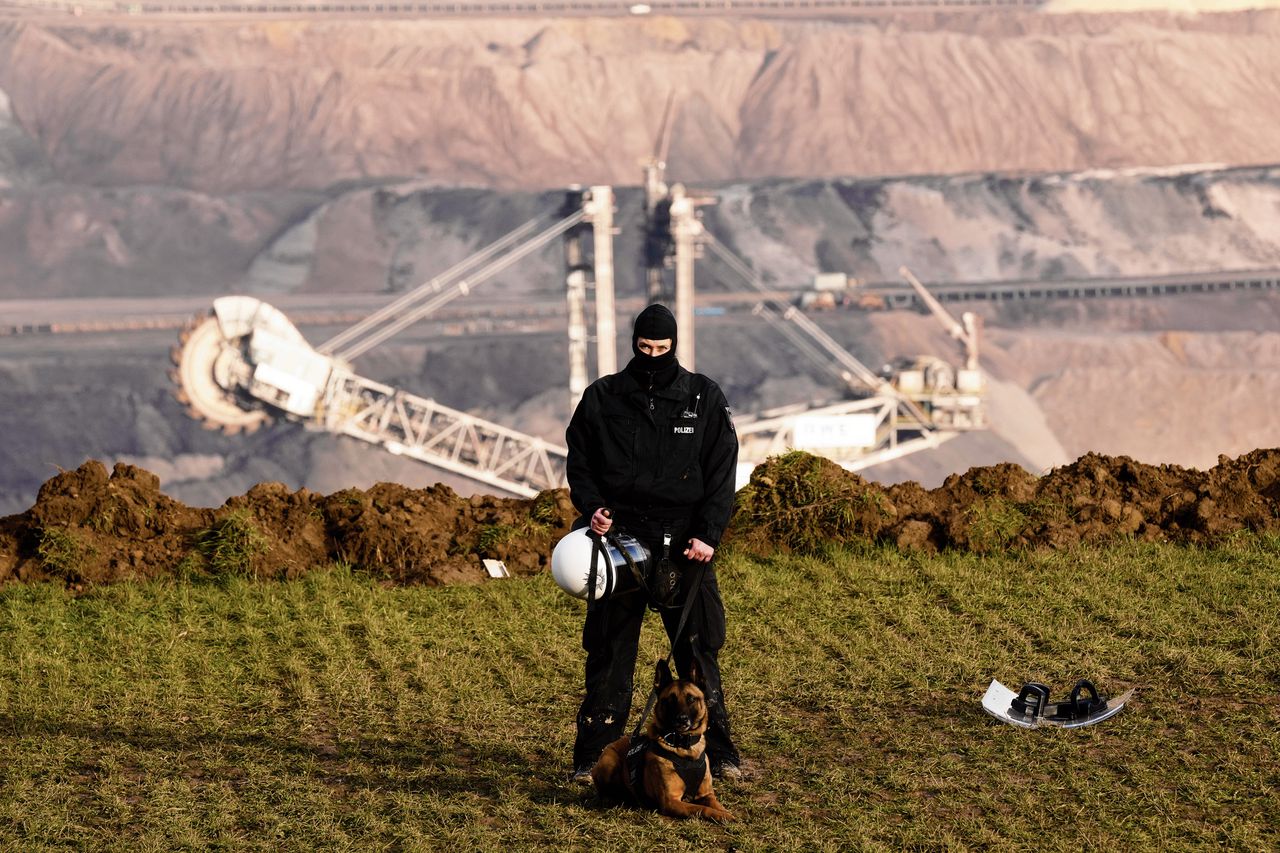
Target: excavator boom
[{"x": 245, "y": 363}]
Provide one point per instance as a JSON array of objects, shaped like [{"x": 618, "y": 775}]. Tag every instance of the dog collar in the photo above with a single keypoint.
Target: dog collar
[{"x": 680, "y": 741}]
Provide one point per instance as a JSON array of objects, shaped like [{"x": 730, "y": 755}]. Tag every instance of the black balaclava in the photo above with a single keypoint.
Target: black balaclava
[{"x": 654, "y": 323}]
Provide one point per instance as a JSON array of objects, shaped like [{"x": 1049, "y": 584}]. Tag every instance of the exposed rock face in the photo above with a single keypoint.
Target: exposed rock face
[
  {"x": 84, "y": 241},
  {"x": 230, "y": 106},
  {"x": 153, "y": 157}
]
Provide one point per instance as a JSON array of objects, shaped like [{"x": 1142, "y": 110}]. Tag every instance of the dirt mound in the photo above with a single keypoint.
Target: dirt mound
[
  {"x": 91, "y": 527},
  {"x": 88, "y": 526},
  {"x": 799, "y": 502}
]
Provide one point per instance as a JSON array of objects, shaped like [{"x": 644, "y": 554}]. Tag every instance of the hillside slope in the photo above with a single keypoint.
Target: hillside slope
[
  {"x": 151, "y": 159},
  {"x": 232, "y": 106}
]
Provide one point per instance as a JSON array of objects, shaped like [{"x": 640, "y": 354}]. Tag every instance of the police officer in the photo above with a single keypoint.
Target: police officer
[{"x": 655, "y": 446}]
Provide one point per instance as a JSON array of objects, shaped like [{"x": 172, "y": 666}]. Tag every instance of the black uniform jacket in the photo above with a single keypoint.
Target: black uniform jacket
[{"x": 669, "y": 454}]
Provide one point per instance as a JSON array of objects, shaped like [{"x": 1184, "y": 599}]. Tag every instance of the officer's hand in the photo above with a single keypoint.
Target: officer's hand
[
  {"x": 601, "y": 522},
  {"x": 699, "y": 551}
]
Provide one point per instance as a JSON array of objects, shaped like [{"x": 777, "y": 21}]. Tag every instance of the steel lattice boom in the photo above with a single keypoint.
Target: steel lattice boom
[
  {"x": 456, "y": 441},
  {"x": 246, "y": 362}
]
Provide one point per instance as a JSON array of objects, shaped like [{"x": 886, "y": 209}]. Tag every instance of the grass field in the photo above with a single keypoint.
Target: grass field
[{"x": 332, "y": 713}]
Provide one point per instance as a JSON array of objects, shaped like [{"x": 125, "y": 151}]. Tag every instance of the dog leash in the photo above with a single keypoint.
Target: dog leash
[
  {"x": 671, "y": 656},
  {"x": 597, "y": 549}
]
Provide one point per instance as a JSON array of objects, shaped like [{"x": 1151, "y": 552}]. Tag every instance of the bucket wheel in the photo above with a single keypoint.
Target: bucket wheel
[{"x": 208, "y": 368}]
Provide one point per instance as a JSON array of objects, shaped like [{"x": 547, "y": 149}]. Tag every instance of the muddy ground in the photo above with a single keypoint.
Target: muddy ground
[{"x": 93, "y": 526}]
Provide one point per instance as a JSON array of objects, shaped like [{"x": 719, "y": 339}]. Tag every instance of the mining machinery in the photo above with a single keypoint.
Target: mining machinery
[
  {"x": 673, "y": 235},
  {"x": 954, "y": 398},
  {"x": 920, "y": 405},
  {"x": 659, "y": 244},
  {"x": 244, "y": 364}
]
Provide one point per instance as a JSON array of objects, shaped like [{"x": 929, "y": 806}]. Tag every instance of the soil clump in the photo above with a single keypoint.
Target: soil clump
[
  {"x": 90, "y": 526},
  {"x": 801, "y": 502}
]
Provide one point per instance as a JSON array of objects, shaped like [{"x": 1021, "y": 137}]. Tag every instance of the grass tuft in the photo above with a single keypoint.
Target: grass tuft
[
  {"x": 62, "y": 552},
  {"x": 803, "y": 503},
  {"x": 491, "y": 536},
  {"x": 993, "y": 524},
  {"x": 544, "y": 510},
  {"x": 231, "y": 544}
]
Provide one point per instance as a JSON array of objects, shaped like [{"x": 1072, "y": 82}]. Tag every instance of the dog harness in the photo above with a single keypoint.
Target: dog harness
[{"x": 692, "y": 771}]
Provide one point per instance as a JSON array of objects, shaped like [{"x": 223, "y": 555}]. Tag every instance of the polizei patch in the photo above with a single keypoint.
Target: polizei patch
[{"x": 683, "y": 430}]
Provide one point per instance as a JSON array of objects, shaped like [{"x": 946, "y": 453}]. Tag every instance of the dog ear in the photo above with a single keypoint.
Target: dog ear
[
  {"x": 662, "y": 675},
  {"x": 695, "y": 672}
]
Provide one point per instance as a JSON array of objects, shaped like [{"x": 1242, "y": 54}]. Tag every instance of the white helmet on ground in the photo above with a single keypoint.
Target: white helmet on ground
[{"x": 571, "y": 562}]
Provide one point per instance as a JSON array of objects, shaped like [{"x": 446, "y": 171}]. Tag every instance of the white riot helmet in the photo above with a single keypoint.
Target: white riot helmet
[{"x": 571, "y": 562}]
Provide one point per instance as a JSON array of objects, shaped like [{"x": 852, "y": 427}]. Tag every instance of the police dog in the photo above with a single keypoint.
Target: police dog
[{"x": 666, "y": 765}]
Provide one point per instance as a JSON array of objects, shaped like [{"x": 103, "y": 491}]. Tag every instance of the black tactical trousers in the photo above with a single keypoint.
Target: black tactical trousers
[{"x": 611, "y": 638}]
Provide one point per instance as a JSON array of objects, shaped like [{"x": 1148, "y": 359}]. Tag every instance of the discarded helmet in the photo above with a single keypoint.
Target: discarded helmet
[{"x": 614, "y": 556}]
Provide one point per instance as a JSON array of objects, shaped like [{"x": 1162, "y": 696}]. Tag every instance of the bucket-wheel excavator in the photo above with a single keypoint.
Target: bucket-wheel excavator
[
  {"x": 244, "y": 364},
  {"x": 920, "y": 405}
]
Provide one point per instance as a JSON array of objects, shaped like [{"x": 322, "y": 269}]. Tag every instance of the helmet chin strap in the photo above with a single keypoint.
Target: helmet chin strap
[{"x": 597, "y": 548}]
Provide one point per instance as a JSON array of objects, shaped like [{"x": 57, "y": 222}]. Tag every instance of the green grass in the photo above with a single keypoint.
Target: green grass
[
  {"x": 62, "y": 552},
  {"x": 333, "y": 713},
  {"x": 232, "y": 543}
]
